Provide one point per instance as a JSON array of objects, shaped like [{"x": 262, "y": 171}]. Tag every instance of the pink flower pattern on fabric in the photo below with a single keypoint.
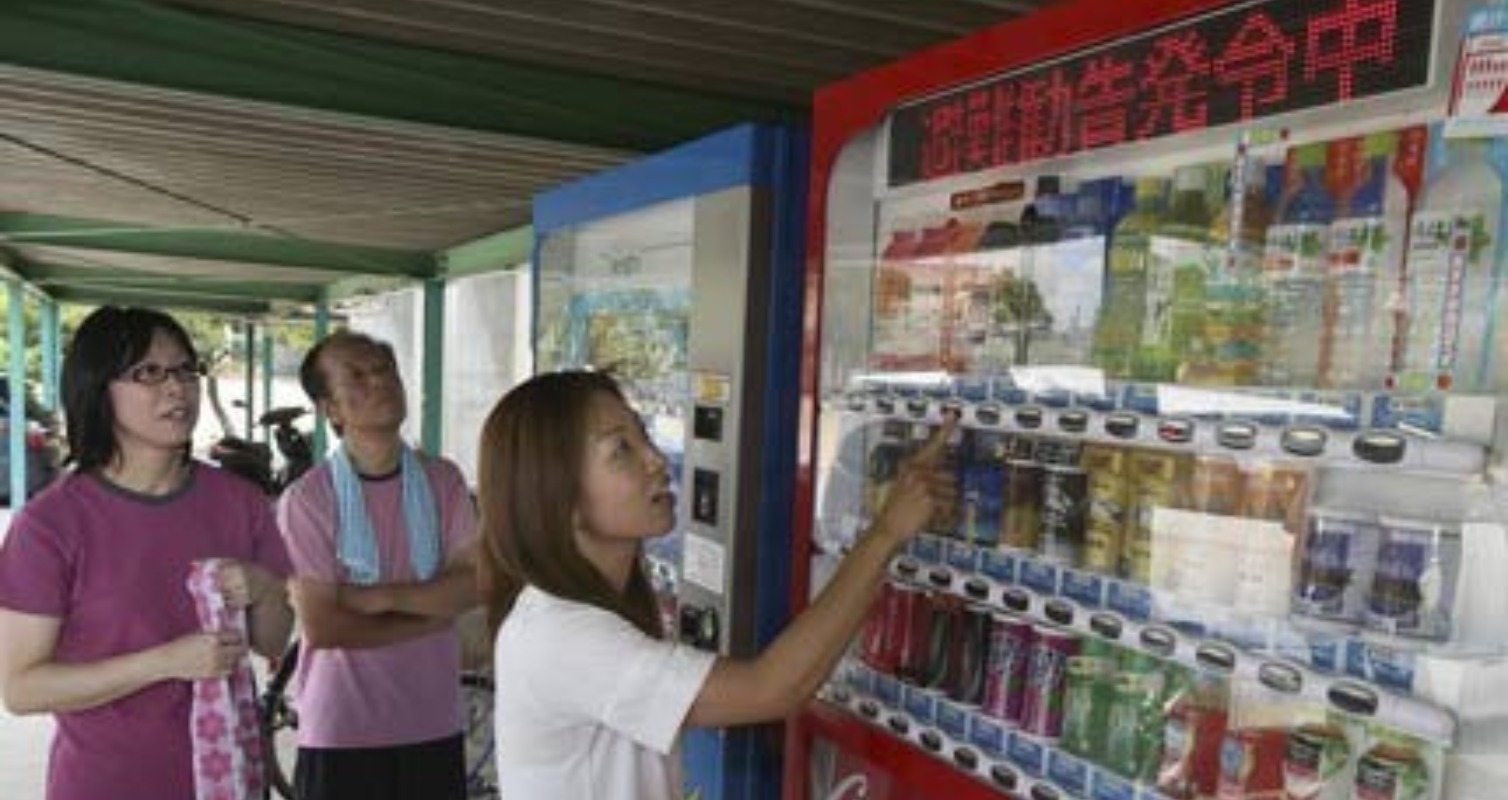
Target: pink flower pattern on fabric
[{"x": 223, "y": 723}]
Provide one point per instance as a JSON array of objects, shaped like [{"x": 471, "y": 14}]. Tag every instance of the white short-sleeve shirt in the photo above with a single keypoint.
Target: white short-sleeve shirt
[{"x": 587, "y": 707}]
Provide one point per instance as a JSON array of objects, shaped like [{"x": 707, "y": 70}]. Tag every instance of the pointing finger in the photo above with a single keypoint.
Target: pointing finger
[{"x": 932, "y": 450}]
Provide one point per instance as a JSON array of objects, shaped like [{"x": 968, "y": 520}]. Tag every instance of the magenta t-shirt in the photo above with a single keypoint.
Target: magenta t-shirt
[
  {"x": 401, "y": 694},
  {"x": 111, "y": 565}
]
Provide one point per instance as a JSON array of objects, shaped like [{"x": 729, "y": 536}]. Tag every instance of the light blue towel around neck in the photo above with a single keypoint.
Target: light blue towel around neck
[{"x": 357, "y": 545}]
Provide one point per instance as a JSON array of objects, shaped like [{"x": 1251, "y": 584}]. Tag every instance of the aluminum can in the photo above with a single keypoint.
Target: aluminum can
[
  {"x": 1215, "y": 485},
  {"x": 1046, "y": 678},
  {"x": 1277, "y": 492},
  {"x": 914, "y": 648},
  {"x": 1158, "y": 480},
  {"x": 1065, "y": 508},
  {"x": 1010, "y": 653},
  {"x": 1109, "y": 505},
  {"x": 883, "y": 642},
  {"x": 1086, "y": 705},
  {"x": 982, "y": 478},
  {"x": 968, "y": 655},
  {"x": 1023, "y": 499}
]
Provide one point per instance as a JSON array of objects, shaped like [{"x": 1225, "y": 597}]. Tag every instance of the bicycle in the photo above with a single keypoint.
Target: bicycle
[{"x": 278, "y": 718}]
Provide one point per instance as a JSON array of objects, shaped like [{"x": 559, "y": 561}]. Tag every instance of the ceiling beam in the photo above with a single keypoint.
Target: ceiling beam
[
  {"x": 49, "y": 276},
  {"x": 162, "y": 299},
  {"x": 214, "y": 244}
]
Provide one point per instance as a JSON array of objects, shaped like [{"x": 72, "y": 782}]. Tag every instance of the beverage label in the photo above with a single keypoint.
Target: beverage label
[
  {"x": 1109, "y": 495},
  {"x": 1023, "y": 497},
  {"x": 1336, "y": 566},
  {"x": 1316, "y": 764},
  {"x": 1042, "y": 712},
  {"x": 1415, "y": 580},
  {"x": 1391, "y": 772},
  {"x": 1006, "y": 666},
  {"x": 1357, "y": 262},
  {"x": 1444, "y": 247},
  {"x": 982, "y": 483},
  {"x": 1065, "y": 501},
  {"x": 1155, "y": 482}
]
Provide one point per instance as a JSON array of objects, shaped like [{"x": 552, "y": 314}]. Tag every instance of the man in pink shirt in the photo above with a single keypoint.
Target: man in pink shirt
[{"x": 383, "y": 540}]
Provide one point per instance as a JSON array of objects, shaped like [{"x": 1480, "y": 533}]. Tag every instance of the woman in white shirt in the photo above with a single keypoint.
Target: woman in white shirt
[{"x": 591, "y": 694}]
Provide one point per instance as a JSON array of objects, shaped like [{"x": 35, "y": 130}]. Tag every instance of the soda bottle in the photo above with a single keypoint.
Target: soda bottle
[
  {"x": 1293, "y": 272},
  {"x": 1233, "y": 297},
  {"x": 1449, "y": 275},
  {"x": 1118, "y": 333},
  {"x": 1173, "y": 321},
  {"x": 1363, "y": 259},
  {"x": 1043, "y": 223}
]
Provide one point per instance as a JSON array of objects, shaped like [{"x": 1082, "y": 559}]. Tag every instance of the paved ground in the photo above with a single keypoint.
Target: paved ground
[{"x": 23, "y": 741}]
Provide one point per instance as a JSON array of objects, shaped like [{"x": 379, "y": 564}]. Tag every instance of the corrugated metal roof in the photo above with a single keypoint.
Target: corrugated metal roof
[{"x": 256, "y": 150}]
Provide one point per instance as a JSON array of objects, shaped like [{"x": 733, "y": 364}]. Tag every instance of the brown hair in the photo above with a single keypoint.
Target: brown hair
[{"x": 532, "y": 455}]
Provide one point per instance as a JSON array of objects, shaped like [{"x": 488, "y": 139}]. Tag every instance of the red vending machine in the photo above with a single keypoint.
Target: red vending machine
[{"x": 1217, "y": 289}]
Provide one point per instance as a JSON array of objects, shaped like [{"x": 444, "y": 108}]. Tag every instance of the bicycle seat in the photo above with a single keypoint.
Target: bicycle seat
[{"x": 282, "y": 416}]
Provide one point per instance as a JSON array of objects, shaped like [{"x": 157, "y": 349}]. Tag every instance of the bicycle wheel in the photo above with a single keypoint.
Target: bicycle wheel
[
  {"x": 481, "y": 769},
  {"x": 279, "y": 723}
]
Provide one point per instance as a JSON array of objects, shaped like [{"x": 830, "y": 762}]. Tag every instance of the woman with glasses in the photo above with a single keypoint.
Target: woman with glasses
[{"x": 97, "y": 624}]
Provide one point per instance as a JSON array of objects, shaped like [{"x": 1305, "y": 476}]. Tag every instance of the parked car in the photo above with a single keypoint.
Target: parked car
[{"x": 43, "y": 443}]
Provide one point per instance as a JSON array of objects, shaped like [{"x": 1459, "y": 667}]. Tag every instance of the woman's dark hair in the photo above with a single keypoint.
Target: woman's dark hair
[
  {"x": 532, "y": 454},
  {"x": 109, "y": 341}
]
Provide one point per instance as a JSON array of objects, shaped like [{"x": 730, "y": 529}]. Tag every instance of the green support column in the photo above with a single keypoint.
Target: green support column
[
  {"x": 267, "y": 373},
  {"x": 430, "y": 431},
  {"x": 251, "y": 381},
  {"x": 321, "y": 330},
  {"x": 52, "y": 348},
  {"x": 16, "y": 441}
]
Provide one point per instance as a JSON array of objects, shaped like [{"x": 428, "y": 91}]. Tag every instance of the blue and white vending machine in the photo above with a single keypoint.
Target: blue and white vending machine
[{"x": 682, "y": 273}]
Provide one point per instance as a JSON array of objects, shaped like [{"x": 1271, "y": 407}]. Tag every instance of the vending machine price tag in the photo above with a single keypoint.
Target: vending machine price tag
[
  {"x": 1068, "y": 772},
  {"x": 998, "y": 565},
  {"x": 1108, "y": 786},
  {"x": 920, "y": 704},
  {"x": 1040, "y": 577},
  {"x": 952, "y": 720},
  {"x": 1388, "y": 667},
  {"x": 1084, "y": 588},
  {"x": 1130, "y": 600},
  {"x": 1027, "y": 753},
  {"x": 988, "y": 735}
]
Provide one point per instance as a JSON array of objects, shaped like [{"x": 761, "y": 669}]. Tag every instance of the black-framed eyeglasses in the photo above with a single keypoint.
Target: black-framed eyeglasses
[{"x": 150, "y": 374}]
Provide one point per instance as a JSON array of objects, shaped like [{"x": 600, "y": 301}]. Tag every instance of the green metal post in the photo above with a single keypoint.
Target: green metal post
[
  {"x": 251, "y": 380},
  {"x": 434, "y": 365},
  {"x": 321, "y": 330},
  {"x": 267, "y": 373},
  {"x": 16, "y": 441},
  {"x": 52, "y": 349}
]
